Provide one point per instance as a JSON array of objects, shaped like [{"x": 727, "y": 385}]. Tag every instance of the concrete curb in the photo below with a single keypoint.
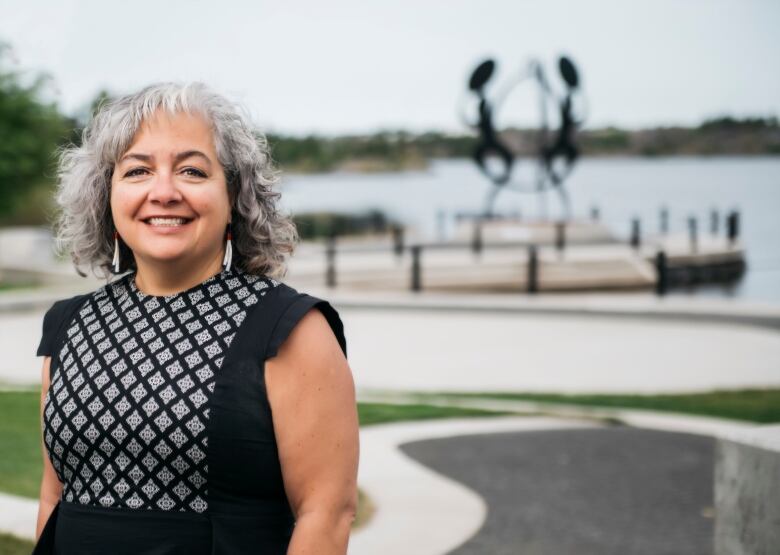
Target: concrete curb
[
  {"x": 18, "y": 516},
  {"x": 611, "y": 305},
  {"x": 747, "y": 486},
  {"x": 764, "y": 315}
]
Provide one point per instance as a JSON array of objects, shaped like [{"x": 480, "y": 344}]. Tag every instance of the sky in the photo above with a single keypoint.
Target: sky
[{"x": 355, "y": 66}]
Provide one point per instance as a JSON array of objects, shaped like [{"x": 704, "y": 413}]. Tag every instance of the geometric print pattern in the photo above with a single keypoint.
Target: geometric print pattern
[{"x": 125, "y": 416}]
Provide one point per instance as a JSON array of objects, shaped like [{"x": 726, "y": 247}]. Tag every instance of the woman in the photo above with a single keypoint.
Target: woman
[{"x": 197, "y": 404}]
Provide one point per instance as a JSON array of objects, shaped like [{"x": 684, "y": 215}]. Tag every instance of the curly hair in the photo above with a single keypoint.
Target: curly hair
[{"x": 84, "y": 228}]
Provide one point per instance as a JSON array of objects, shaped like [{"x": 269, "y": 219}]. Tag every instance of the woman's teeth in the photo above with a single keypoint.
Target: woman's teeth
[{"x": 167, "y": 221}]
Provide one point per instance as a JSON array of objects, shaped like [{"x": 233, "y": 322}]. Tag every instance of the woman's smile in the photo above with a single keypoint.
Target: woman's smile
[{"x": 167, "y": 226}]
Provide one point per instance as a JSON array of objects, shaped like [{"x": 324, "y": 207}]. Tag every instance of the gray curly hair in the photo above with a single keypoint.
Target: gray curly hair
[{"x": 84, "y": 227}]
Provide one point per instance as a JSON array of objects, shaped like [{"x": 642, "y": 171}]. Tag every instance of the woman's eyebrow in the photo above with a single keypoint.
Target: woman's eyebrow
[
  {"x": 136, "y": 156},
  {"x": 178, "y": 158},
  {"x": 188, "y": 153}
]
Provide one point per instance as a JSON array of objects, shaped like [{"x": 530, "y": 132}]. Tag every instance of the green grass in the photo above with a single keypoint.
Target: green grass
[
  {"x": 21, "y": 465},
  {"x": 379, "y": 413},
  {"x": 11, "y": 545},
  {"x": 18, "y": 287},
  {"x": 753, "y": 405}
]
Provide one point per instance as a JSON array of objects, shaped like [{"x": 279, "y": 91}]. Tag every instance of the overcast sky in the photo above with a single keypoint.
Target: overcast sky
[{"x": 338, "y": 66}]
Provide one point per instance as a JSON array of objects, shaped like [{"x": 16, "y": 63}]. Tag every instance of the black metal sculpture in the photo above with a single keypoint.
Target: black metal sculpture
[
  {"x": 489, "y": 141},
  {"x": 561, "y": 147}
]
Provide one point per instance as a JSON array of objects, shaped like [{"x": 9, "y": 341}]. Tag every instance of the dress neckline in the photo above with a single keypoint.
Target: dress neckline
[{"x": 219, "y": 276}]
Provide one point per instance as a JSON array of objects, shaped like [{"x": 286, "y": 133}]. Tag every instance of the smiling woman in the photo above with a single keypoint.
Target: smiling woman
[
  {"x": 196, "y": 404},
  {"x": 206, "y": 139},
  {"x": 169, "y": 201}
]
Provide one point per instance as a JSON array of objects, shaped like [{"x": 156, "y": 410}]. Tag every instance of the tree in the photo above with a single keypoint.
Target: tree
[{"x": 30, "y": 131}]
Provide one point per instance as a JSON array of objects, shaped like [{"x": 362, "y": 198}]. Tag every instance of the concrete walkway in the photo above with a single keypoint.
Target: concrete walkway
[
  {"x": 505, "y": 343},
  {"x": 418, "y": 510},
  {"x": 422, "y": 514}
]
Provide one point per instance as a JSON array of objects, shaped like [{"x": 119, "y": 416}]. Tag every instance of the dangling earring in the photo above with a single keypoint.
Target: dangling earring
[
  {"x": 115, "y": 261},
  {"x": 226, "y": 262}
]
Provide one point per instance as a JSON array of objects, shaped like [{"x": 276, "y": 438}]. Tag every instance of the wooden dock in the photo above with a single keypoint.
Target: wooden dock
[{"x": 592, "y": 259}]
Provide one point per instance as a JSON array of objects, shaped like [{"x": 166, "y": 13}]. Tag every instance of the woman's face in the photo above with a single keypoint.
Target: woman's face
[{"x": 171, "y": 170}]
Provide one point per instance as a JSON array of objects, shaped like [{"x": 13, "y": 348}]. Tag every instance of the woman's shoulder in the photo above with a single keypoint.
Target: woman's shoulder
[
  {"x": 289, "y": 304},
  {"x": 54, "y": 319},
  {"x": 62, "y": 311}
]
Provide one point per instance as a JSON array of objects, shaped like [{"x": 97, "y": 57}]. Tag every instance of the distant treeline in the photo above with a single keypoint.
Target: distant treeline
[
  {"x": 395, "y": 150},
  {"x": 383, "y": 151},
  {"x": 720, "y": 136},
  {"x": 312, "y": 225}
]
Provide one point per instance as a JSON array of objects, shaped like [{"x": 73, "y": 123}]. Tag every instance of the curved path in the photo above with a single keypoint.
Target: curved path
[
  {"x": 426, "y": 512},
  {"x": 587, "y": 491},
  {"x": 418, "y": 510}
]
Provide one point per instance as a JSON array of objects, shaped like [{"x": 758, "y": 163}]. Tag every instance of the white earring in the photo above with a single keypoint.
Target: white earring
[
  {"x": 115, "y": 261},
  {"x": 227, "y": 261}
]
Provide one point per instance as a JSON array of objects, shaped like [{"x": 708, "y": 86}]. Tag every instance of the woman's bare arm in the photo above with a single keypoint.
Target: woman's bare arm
[
  {"x": 312, "y": 396},
  {"x": 51, "y": 487}
]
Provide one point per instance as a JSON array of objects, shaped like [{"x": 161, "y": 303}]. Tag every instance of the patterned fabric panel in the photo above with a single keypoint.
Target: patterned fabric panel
[{"x": 126, "y": 412}]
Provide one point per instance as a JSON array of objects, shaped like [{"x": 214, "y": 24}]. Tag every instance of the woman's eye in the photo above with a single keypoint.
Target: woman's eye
[
  {"x": 134, "y": 171},
  {"x": 195, "y": 172}
]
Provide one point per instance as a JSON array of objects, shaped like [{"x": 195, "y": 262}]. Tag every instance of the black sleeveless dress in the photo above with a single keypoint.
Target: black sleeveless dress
[{"x": 157, "y": 421}]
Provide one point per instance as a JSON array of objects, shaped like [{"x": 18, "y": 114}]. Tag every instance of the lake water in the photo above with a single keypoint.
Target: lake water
[{"x": 622, "y": 188}]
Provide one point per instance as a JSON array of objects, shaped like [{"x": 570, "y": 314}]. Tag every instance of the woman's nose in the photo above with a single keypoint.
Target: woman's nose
[{"x": 164, "y": 188}]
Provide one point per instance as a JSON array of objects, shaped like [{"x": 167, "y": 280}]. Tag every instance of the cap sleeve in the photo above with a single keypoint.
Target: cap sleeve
[
  {"x": 53, "y": 320},
  {"x": 294, "y": 306}
]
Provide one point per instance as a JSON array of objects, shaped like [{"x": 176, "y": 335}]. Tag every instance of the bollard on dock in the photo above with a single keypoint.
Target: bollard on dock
[
  {"x": 560, "y": 236},
  {"x": 662, "y": 273},
  {"x": 398, "y": 240},
  {"x": 714, "y": 221},
  {"x": 330, "y": 261},
  {"x": 732, "y": 227},
  {"x": 416, "y": 270},
  {"x": 693, "y": 233},
  {"x": 636, "y": 238},
  {"x": 476, "y": 240},
  {"x": 532, "y": 284}
]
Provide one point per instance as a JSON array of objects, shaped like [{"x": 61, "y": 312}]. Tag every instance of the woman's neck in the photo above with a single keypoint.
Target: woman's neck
[{"x": 152, "y": 278}]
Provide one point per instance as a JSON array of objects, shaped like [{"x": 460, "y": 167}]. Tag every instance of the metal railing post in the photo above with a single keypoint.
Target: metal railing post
[
  {"x": 476, "y": 240},
  {"x": 532, "y": 284},
  {"x": 330, "y": 261},
  {"x": 398, "y": 240},
  {"x": 416, "y": 270},
  {"x": 662, "y": 273},
  {"x": 636, "y": 237},
  {"x": 560, "y": 236},
  {"x": 693, "y": 233}
]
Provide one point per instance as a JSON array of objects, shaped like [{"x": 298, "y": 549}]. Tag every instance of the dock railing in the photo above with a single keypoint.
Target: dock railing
[{"x": 668, "y": 272}]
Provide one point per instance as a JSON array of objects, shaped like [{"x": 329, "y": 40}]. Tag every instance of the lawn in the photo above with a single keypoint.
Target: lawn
[
  {"x": 21, "y": 464},
  {"x": 761, "y": 406},
  {"x": 10, "y": 545}
]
